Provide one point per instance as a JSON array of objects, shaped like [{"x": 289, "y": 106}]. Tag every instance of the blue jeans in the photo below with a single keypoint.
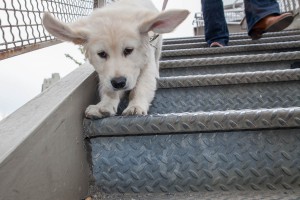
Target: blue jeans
[{"x": 214, "y": 20}]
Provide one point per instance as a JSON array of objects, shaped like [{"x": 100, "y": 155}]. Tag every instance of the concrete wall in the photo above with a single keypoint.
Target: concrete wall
[{"x": 42, "y": 154}]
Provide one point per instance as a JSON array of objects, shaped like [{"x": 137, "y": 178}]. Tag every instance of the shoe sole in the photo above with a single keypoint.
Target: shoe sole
[{"x": 280, "y": 25}]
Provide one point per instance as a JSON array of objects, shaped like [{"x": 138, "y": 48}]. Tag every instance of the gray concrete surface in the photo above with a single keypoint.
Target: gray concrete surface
[{"x": 42, "y": 154}]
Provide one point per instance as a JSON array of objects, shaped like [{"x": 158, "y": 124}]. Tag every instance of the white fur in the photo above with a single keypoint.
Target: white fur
[{"x": 125, "y": 24}]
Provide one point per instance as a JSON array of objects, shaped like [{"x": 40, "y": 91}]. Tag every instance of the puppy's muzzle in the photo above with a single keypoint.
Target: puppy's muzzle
[{"x": 119, "y": 82}]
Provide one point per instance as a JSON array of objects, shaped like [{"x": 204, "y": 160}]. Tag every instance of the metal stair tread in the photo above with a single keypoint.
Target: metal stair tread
[
  {"x": 229, "y": 68},
  {"x": 229, "y": 78},
  {"x": 194, "y": 122},
  {"x": 236, "y": 36},
  {"x": 267, "y": 57},
  {"x": 275, "y": 195},
  {"x": 230, "y": 49},
  {"x": 234, "y": 42}
]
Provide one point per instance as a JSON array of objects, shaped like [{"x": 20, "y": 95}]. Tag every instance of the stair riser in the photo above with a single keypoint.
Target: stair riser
[
  {"x": 231, "y": 50},
  {"x": 235, "y": 161},
  {"x": 222, "y": 98},
  {"x": 257, "y": 58},
  {"x": 226, "y": 97},
  {"x": 222, "y": 69},
  {"x": 227, "y": 54},
  {"x": 233, "y": 43}
]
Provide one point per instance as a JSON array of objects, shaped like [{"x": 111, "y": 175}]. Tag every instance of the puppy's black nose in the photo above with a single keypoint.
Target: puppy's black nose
[{"x": 118, "y": 82}]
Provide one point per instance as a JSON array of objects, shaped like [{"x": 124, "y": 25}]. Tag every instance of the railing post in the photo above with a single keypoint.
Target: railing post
[
  {"x": 284, "y": 6},
  {"x": 99, "y": 3},
  {"x": 294, "y": 5},
  {"x": 289, "y": 5}
]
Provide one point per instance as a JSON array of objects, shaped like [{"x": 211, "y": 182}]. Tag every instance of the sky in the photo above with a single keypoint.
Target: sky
[{"x": 21, "y": 77}]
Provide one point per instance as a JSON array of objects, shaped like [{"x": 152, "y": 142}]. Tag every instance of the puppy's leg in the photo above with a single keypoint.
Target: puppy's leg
[
  {"x": 106, "y": 107},
  {"x": 142, "y": 95}
]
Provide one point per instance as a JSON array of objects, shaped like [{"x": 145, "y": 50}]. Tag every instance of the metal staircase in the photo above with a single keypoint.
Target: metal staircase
[{"x": 224, "y": 124}]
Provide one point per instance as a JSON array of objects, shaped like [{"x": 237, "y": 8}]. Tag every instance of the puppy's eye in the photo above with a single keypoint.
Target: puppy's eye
[
  {"x": 127, "y": 51},
  {"x": 103, "y": 54}
]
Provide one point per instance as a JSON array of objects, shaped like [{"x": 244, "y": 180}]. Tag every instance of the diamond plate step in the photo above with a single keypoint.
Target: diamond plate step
[
  {"x": 187, "y": 96},
  {"x": 230, "y": 64},
  {"x": 199, "y": 162},
  {"x": 225, "y": 60},
  {"x": 161, "y": 124},
  {"x": 274, "y": 195},
  {"x": 231, "y": 50},
  {"x": 234, "y": 42}
]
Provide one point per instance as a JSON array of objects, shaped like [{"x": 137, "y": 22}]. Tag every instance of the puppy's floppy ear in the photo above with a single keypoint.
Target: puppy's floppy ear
[
  {"x": 64, "y": 31},
  {"x": 164, "y": 22}
]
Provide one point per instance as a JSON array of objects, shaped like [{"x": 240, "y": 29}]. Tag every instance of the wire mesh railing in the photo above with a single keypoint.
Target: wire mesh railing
[
  {"x": 21, "y": 28},
  {"x": 289, "y": 5}
]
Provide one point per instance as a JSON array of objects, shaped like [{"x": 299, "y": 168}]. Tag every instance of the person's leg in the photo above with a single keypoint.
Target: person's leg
[
  {"x": 214, "y": 21},
  {"x": 264, "y": 16}
]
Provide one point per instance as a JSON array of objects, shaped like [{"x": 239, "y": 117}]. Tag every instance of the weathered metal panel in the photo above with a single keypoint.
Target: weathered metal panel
[
  {"x": 227, "y": 195},
  {"x": 200, "y": 162}
]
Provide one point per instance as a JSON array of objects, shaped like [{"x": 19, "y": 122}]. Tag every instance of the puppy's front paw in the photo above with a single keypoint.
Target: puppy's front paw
[
  {"x": 95, "y": 112},
  {"x": 134, "y": 110}
]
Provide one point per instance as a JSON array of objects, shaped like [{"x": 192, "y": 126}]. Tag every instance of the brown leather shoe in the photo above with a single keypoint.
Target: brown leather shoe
[{"x": 271, "y": 23}]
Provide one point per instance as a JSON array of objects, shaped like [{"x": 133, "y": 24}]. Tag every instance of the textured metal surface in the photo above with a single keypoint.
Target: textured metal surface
[
  {"x": 225, "y": 195},
  {"x": 21, "y": 28},
  {"x": 229, "y": 78},
  {"x": 230, "y": 68},
  {"x": 268, "y": 57},
  {"x": 226, "y": 97},
  {"x": 255, "y": 48},
  {"x": 194, "y": 122},
  {"x": 234, "y": 42},
  {"x": 224, "y": 161},
  {"x": 185, "y": 95}
]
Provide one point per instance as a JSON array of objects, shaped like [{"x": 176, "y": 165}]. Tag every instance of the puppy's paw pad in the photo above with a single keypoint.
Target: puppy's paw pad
[
  {"x": 134, "y": 110},
  {"x": 96, "y": 112}
]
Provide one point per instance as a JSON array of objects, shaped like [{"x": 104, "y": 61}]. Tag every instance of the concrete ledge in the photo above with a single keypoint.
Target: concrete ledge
[{"x": 42, "y": 154}]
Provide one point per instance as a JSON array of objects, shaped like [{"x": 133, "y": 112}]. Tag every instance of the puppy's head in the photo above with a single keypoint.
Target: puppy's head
[{"x": 116, "y": 44}]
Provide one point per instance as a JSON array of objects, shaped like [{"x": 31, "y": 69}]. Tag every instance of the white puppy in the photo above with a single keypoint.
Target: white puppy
[{"x": 116, "y": 40}]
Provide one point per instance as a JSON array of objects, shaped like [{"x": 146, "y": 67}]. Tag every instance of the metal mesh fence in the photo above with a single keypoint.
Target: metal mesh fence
[
  {"x": 289, "y": 5},
  {"x": 21, "y": 28}
]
